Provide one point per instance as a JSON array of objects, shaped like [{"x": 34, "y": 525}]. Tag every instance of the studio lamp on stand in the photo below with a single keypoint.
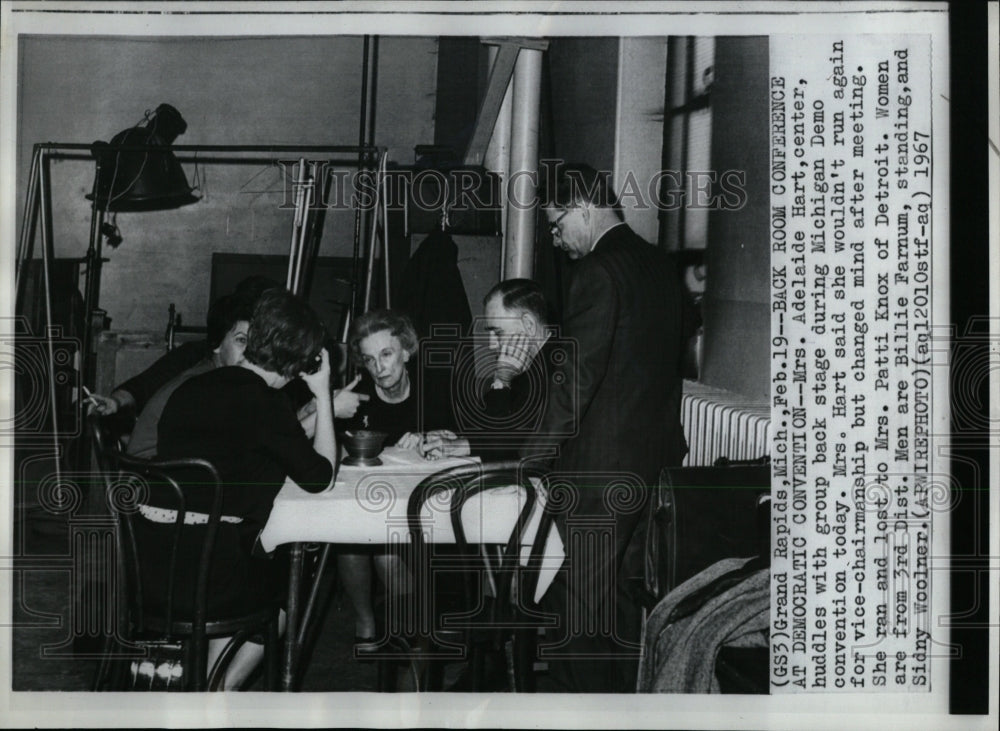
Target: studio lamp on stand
[{"x": 134, "y": 172}]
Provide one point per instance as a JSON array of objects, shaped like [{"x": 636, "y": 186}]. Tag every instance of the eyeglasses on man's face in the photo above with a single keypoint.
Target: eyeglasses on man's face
[{"x": 555, "y": 226}]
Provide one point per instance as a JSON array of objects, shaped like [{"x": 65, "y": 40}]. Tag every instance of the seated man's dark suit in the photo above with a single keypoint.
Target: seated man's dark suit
[{"x": 508, "y": 418}]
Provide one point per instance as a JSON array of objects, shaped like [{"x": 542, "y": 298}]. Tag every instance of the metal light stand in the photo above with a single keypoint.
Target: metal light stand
[
  {"x": 92, "y": 285},
  {"x": 38, "y": 200},
  {"x": 38, "y": 205}
]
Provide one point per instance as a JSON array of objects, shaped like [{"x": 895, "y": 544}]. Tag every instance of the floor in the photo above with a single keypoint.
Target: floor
[{"x": 45, "y": 656}]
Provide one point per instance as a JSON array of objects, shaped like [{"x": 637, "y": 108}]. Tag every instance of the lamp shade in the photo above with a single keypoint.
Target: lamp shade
[{"x": 143, "y": 180}]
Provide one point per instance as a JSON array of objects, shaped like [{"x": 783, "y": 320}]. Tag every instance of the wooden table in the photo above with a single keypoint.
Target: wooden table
[{"x": 368, "y": 505}]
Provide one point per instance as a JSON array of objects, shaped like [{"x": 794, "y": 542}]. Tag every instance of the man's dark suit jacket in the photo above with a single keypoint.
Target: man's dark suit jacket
[
  {"x": 511, "y": 416},
  {"x": 621, "y": 397}
]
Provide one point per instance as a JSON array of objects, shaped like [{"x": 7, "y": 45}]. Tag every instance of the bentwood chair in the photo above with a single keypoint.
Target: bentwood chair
[
  {"x": 106, "y": 448},
  {"x": 169, "y": 617},
  {"x": 500, "y": 624}
]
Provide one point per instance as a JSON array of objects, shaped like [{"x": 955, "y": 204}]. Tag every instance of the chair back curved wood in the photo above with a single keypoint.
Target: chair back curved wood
[
  {"x": 106, "y": 446},
  {"x": 502, "y": 617},
  {"x": 164, "y": 477},
  {"x": 167, "y": 619}
]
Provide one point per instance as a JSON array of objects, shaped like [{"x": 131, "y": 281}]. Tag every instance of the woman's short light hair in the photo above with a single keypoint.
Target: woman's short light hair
[{"x": 394, "y": 321}]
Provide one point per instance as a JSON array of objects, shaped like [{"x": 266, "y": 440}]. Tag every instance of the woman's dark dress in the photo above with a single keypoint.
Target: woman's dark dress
[
  {"x": 248, "y": 431},
  {"x": 420, "y": 411}
]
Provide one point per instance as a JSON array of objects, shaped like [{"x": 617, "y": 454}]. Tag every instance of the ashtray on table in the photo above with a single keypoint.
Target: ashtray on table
[{"x": 363, "y": 447}]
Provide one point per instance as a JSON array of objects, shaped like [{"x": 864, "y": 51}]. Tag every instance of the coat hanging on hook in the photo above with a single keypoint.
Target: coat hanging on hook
[{"x": 432, "y": 291}]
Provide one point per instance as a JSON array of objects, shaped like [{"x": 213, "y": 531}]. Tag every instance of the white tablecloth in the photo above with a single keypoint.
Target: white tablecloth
[{"x": 368, "y": 505}]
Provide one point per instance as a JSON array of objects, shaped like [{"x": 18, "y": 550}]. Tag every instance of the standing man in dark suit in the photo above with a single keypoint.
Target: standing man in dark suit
[{"x": 619, "y": 402}]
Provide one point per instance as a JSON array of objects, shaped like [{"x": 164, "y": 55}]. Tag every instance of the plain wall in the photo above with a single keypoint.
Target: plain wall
[
  {"x": 307, "y": 90},
  {"x": 230, "y": 91},
  {"x": 642, "y": 69},
  {"x": 737, "y": 293},
  {"x": 584, "y": 84}
]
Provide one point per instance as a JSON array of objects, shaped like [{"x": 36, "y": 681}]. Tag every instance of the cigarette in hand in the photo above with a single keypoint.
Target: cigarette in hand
[{"x": 89, "y": 397}]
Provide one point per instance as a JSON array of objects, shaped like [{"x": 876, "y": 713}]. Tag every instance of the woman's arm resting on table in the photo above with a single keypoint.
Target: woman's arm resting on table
[{"x": 444, "y": 444}]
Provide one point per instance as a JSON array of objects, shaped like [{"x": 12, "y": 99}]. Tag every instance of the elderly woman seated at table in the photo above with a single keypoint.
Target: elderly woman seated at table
[
  {"x": 236, "y": 418},
  {"x": 384, "y": 343}
]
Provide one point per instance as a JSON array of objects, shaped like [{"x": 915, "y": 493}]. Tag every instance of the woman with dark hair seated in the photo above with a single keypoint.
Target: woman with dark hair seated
[
  {"x": 235, "y": 418},
  {"x": 228, "y": 322},
  {"x": 135, "y": 393}
]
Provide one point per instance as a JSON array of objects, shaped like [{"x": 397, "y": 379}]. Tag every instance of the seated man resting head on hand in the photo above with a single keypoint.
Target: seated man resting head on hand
[{"x": 516, "y": 316}]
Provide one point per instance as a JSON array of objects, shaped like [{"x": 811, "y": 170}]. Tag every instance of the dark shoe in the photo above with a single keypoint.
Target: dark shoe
[
  {"x": 365, "y": 645},
  {"x": 365, "y": 648}
]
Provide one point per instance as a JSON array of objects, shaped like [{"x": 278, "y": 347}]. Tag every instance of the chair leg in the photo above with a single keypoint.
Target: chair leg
[
  {"x": 525, "y": 644},
  {"x": 273, "y": 650},
  {"x": 193, "y": 680},
  {"x": 103, "y": 673},
  {"x": 113, "y": 668},
  {"x": 199, "y": 662},
  {"x": 386, "y": 680},
  {"x": 217, "y": 674}
]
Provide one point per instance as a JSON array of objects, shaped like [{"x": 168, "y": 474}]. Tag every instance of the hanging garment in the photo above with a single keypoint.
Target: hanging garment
[
  {"x": 727, "y": 604},
  {"x": 432, "y": 292}
]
